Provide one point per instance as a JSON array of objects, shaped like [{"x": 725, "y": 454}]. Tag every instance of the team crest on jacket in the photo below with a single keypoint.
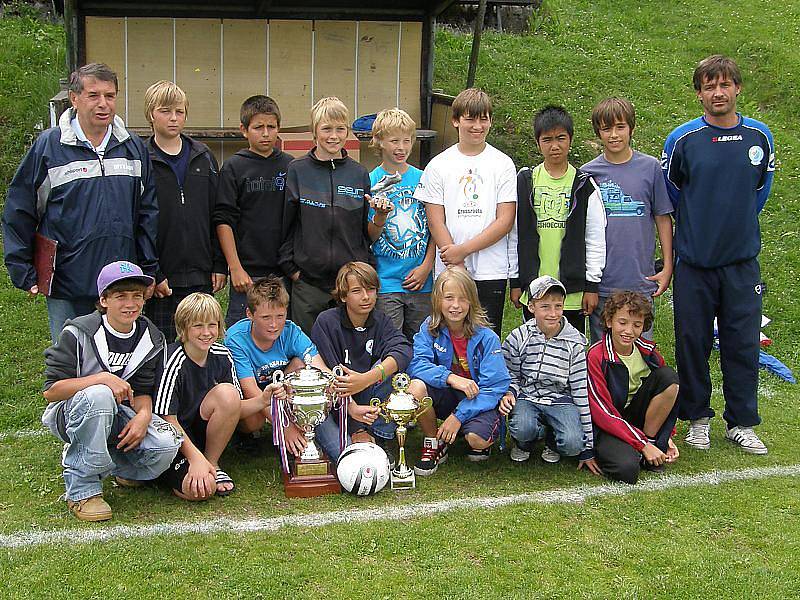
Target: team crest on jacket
[{"x": 756, "y": 154}]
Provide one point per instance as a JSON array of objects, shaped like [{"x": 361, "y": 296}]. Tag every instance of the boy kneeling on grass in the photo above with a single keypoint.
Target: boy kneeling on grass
[
  {"x": 99, "y": 381},
  {"x": 200, "y": 395},
  {"x": 368, "y": 346},
  {"x": 546, "y": 359},
  {"x": 631, "y": 392},
  {"x": 458, "y": 362}
]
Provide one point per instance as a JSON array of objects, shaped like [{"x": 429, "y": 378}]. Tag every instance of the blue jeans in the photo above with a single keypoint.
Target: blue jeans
[
  {"x": 61, "y": 309},
  {"x": 327, "y": 437},
  {"x": 529, "y": 422},
  {"x": 381, "y": 428},
  {"x": 89, "y": 423}
]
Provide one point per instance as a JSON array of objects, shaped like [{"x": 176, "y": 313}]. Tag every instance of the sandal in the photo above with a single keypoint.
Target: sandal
[{"x": 222, "y": 478}]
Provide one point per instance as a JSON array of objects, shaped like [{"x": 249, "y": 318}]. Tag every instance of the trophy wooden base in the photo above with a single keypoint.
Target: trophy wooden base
[{"x": 311, "y": 478}]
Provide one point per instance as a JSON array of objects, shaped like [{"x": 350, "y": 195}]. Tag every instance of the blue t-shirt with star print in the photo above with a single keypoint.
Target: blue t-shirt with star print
[{"x": 405, "y": 236}]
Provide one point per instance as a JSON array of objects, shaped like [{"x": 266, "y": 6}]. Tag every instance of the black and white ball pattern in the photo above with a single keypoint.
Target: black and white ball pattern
[{"x": 363, "y": 469}]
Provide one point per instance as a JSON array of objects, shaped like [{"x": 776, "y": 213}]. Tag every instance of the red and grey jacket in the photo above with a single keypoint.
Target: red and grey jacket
[{"x": 608, "y": 388}]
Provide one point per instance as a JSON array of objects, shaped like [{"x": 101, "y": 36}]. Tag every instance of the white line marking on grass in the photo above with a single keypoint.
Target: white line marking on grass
[
  {"x": 26, "y": 539},
  {"x": 22, "y": 433}
]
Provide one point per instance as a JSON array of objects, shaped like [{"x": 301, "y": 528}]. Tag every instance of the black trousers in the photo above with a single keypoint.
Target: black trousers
[
  {"x": 161, "y": 311},
  {"x": 732, "y": 294},
  {"x": 617, "y": 458},
  {"x": 492, "y": 294}
]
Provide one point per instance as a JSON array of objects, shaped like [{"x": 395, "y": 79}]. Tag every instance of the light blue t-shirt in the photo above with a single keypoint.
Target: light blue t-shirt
[
  {"x": 404, "y": 239},
  {"x": 251, "y": 361}
]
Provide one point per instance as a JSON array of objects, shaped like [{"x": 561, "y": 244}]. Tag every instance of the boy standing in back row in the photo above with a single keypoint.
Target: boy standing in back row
[
  {"x": 186, "y": 176},
  {"x": 635, "y": 198},
  {"x": 470, "y": 196},
  {"x": 403, "y": 252},
  {"x": 326, "y": 222},
  {"x": 560, "y": 220},
  {"x": 250, "y": 203}
]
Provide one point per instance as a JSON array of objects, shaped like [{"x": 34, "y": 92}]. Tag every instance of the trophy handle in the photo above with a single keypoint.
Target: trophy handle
[
  {"x": 277, "y": 376},
  {"x": 381, "y": 406},
  {"x": 425, "y": 404}
]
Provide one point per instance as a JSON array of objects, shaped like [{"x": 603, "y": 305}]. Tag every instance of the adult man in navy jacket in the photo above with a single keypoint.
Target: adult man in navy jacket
[
  {"x": 719, "y": 170},
  {"x": 88, "y": 185}
]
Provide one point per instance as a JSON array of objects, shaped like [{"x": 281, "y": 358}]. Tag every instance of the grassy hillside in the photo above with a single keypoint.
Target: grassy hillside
[
  {"x": 32, "y": 55},
  {"x": 583, "y": 51},
  {"x": 737, "y": 540}
]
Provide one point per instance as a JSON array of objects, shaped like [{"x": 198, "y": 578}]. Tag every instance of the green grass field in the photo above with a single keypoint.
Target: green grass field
[{"x": 735, "y": 540}]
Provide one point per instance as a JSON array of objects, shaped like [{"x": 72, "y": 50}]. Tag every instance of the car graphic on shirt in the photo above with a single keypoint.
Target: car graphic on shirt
[{"x": 619, "y": 204}]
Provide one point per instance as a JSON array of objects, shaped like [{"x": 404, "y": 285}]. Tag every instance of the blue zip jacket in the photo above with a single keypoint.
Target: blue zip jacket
[
  {"x": 434, "y": 356},
  {"x": 98, "y": 210},
  {"x": 718, "y": 180}
]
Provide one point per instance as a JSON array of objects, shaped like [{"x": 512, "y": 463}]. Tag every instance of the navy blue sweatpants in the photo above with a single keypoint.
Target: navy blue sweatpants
[{"x": 733, "y": 294}]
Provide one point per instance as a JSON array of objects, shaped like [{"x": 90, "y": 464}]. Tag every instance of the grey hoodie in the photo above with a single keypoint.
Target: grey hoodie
[
  {"x": 82, "y": 350},
  {"x": 549, "y": 371}
]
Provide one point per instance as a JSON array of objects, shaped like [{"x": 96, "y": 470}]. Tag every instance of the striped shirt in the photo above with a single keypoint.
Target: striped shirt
[
  {"x": 549, "y": 371},
  {"x": 183, "y": 383}
]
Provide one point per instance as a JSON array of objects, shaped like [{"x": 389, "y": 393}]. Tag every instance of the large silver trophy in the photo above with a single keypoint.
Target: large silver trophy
[
  {"x": 309, "y": 399},
  {"x": 402, "y": 408}
]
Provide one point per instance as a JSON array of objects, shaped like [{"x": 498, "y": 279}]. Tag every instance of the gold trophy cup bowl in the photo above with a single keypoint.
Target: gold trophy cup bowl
[{"x": 402, "y": 408}]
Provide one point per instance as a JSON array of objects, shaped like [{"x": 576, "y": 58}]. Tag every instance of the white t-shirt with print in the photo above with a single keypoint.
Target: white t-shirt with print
[{"x": 470, "y": 188}]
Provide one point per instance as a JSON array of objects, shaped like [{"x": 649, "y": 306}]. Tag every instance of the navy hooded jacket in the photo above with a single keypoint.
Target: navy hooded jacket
[{"x": 99, "y": 210}]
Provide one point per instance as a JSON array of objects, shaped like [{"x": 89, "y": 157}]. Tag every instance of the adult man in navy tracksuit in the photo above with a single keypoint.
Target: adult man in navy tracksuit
[
  {"x": 719, "y": 171},
  {"x": 88, "y": 185}
]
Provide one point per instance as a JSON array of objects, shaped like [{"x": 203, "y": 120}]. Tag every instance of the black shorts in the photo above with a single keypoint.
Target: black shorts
[
  {"x": 652, "y": 385},
  {"x": 173, "y": 477},
  {"x": 195, "y": 431},
  {"x": 485, "y": 425}
]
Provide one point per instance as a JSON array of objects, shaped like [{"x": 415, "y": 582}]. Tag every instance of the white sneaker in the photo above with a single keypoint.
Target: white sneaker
[
  {"x": 550, "y": 456},
  {"x": 747, "y": 439},
  {"x": 699, "y": 434},
  {"x": 518, "y": 454}
]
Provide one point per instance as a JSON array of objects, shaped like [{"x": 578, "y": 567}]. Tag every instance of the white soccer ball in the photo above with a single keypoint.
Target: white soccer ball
[{"x": 363, "y": 469}]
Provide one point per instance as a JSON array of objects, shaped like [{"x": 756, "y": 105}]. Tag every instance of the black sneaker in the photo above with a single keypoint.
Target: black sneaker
[
  {"x": 434, "y": 453},
  {"x": 247, "y": 443},
  {"x": 386, "y": 446},
  {"x": 474, "y": 455},
  {"x": 646, "y": 466}
]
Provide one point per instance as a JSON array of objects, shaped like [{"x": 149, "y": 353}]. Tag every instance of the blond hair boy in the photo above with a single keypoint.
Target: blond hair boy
[
  {"x": 186, "y": 185},
  {"x": 199, "y": 394},
  {"x": 403, "y": 253},
  {"x": 326, "y": 220}
]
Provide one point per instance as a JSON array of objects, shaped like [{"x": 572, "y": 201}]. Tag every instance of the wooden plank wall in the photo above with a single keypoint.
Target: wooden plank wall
[
  {"x": 442, "y": 122},
  {"x": 370, "y": 65}
]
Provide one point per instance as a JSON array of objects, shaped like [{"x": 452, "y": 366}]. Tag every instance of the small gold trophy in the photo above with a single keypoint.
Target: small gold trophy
[{"x": 402, "y": 408}]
